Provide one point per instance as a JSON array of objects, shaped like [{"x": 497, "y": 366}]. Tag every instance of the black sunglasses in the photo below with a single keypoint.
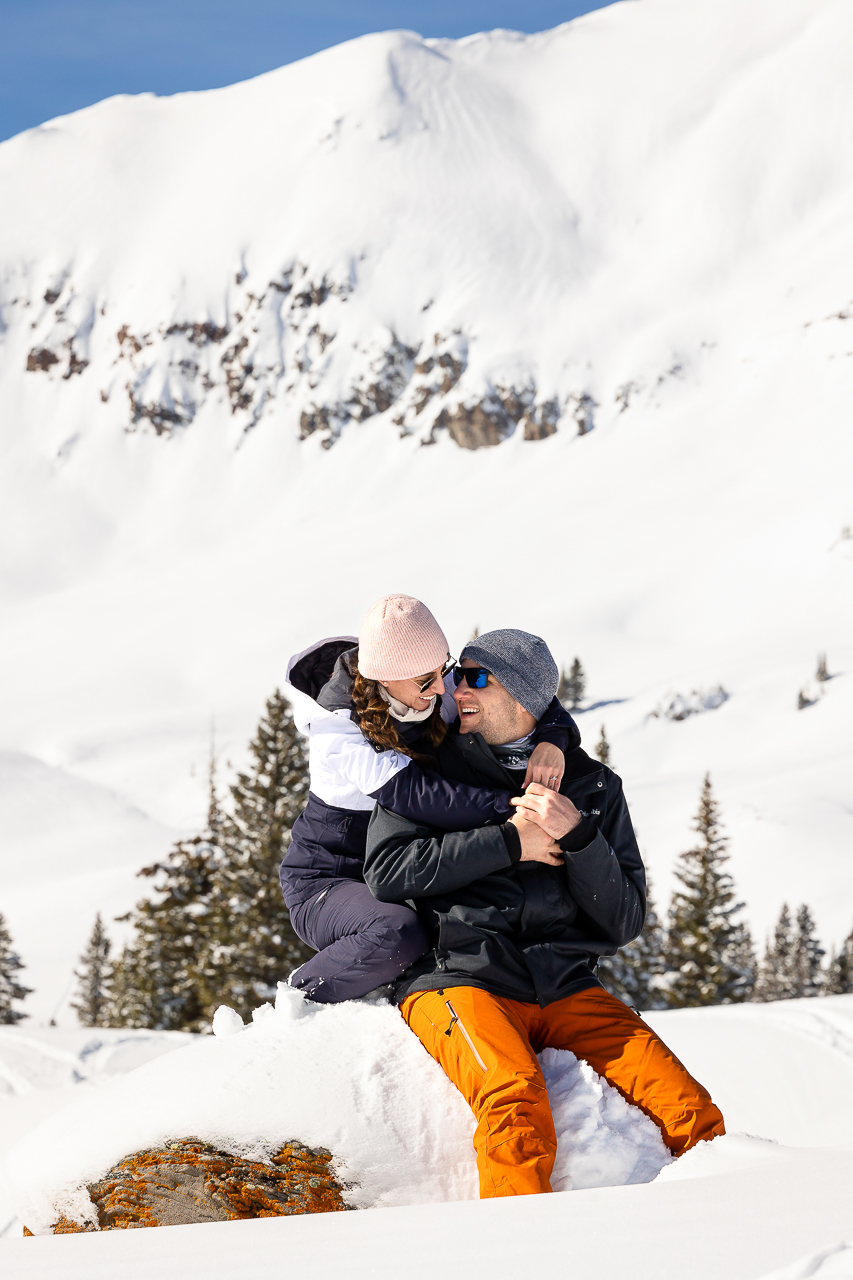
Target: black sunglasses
[
  {"x": 474, "y": 677},
  {"x": 424, "y": 683}
]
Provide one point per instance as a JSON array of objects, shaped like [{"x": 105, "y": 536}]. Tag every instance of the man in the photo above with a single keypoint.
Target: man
[{"x": 519, "y": 915}]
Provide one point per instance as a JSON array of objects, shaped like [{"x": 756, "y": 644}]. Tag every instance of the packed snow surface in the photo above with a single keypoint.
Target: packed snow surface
[{"x": 745, "y": 1206}]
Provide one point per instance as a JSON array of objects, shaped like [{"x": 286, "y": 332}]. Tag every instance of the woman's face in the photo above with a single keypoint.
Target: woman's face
[{"x": 409, "y": 692}]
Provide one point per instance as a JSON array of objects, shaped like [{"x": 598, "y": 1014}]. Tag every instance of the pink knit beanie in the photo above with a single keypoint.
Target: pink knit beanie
[{"x": 399, "y": 638}]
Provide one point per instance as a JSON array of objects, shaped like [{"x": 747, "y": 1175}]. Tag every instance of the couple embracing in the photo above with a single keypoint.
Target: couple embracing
[{"x": 462, "y": 851}]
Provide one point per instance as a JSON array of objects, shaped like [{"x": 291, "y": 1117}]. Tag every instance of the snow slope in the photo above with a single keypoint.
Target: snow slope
[
  {"x": 637, "y": 224},
  {"x": 68, "y": 849},
  {"x": 705, "y": 1228},
  {"x": 739, "y": 1207}
]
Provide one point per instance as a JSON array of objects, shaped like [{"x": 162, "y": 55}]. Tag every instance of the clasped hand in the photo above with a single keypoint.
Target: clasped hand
[{"x": 541, "y": 818}]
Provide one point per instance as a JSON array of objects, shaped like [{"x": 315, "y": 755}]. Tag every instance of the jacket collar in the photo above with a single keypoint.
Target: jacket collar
[{"x": 474, "y": 748}]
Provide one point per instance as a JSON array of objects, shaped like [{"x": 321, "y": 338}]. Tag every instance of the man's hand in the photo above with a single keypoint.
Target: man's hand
[
  {"x": 536, "y": 846},
  {"x": 546, "y": 765},
  {"x": 555, "y": 814}
]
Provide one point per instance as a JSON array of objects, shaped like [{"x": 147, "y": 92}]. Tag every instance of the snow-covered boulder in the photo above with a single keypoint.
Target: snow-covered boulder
[
  {"x": 349, "y": 1078},
  {"x": 191, "y": 1182}
]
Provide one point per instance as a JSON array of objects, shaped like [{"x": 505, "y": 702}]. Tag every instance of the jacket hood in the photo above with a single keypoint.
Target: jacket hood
[{"x": 310, "y": 671}]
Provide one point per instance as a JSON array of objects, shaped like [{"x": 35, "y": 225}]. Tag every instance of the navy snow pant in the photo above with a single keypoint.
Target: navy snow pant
[{"x": 361, "y": 943}]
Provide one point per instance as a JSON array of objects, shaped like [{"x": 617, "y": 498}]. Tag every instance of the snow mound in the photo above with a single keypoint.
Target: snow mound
[
  {"x": 602, "y": 1140},
  {"x": 348, "y": 1077}
]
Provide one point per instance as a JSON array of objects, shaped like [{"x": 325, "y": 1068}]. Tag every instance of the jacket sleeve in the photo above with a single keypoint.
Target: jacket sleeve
[
  {"x": 558, "y": 727},
  {"x": 424, "y": 796},
  {"x": 606, "y": 877},
  {"x": 404, "y": 860}
]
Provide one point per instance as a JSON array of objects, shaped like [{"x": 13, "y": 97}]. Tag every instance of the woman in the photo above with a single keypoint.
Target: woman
[{"x": 373, "y": 708}]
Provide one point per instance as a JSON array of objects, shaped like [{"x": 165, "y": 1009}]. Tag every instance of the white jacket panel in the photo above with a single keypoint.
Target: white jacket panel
[{"x": 344, "y": 767}]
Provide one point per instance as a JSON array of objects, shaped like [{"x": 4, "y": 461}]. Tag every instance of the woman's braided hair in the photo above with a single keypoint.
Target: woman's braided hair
[{"x": 374, "y": 718}]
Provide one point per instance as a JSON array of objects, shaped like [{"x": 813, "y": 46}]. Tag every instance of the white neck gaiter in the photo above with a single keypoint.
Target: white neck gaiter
[{"x": 399, "y": 710}]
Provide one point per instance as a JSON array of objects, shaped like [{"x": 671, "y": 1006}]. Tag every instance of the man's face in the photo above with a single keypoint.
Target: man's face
[{"x": 491, "y": 711}]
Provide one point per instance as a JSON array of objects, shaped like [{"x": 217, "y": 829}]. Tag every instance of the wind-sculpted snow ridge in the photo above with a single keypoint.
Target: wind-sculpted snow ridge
[
  {"x": 834, "y": 1263},
  {"x": 350, "y": 1078}
]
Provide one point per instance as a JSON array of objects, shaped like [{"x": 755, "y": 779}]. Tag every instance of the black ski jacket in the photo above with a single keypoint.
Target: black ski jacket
[{"x": 522, "y": 930}]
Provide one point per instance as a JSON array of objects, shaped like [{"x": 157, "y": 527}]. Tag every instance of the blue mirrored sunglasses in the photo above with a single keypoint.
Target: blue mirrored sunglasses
[{"x": 474, "y": 677}]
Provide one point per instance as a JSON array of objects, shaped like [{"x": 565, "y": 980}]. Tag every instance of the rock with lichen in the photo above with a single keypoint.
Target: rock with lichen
[{"x": 191, "y": 1181}]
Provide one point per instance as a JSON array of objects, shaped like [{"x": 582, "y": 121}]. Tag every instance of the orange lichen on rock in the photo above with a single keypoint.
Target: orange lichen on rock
[{"x": 191, "y": 1181}]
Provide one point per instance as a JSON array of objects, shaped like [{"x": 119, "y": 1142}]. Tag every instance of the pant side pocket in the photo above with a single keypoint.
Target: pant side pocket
[{"x": 454, "y": 1018}]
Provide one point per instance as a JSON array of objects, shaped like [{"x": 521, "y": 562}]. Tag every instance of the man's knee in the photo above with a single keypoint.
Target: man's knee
[
  {"x": 681, "y": 1107},
  {"x": 700, "y": 1123}
]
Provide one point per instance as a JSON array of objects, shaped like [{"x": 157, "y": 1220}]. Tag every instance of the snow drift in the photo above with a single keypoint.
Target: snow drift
[
  {"x": 351, "y": 1078},
  {"x": 783, "y": 1071}
]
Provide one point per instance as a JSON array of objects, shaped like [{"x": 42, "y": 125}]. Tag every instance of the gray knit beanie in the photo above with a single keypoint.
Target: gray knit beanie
[{"x": 521, "y": 662}]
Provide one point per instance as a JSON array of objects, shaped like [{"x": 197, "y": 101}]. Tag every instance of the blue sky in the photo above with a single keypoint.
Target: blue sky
[{"x": 59, "y": 55}]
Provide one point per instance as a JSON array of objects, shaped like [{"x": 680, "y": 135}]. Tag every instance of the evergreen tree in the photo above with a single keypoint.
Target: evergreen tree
[
  {"x": 251, "y": 943},
  {"x": 808, "y": 953},
  {"x": 216, "y": 930},
  {"x": 602, "y": 748},
  {"x": 571, "y": 688},
  {"x": 839, "y": 975},
  {"x": 636, "y": 973},
  {"x": 11, "y": 989},
  {"x": 155, "y": 981},
  {"x": 94, "y": 979},
  {"x": 822, "y": 673},
  {"x": 776, "y": 977},
  {"x": 709, "y": 953}
]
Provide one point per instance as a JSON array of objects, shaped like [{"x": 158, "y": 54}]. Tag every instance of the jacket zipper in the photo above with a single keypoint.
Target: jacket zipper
[{"x": 454, "y": 1017}]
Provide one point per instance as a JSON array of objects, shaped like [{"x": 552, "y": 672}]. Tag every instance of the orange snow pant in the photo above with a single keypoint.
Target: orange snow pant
[{"x": 487, "y": 1045}]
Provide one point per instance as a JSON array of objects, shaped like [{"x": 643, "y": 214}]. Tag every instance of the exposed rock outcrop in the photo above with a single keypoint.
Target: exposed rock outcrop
[
  {"x": 289, "y": 340},
  {"x": 190, "y": 1181}
]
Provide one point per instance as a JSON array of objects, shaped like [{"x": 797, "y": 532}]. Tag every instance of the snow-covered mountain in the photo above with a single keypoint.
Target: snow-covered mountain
[{"x": 553, "y": 331}]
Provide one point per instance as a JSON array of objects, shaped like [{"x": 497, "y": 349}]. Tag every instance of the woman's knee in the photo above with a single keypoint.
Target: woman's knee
[
  {"x": 299, "y": 915},
  {"x": 405, "y": 933}
]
